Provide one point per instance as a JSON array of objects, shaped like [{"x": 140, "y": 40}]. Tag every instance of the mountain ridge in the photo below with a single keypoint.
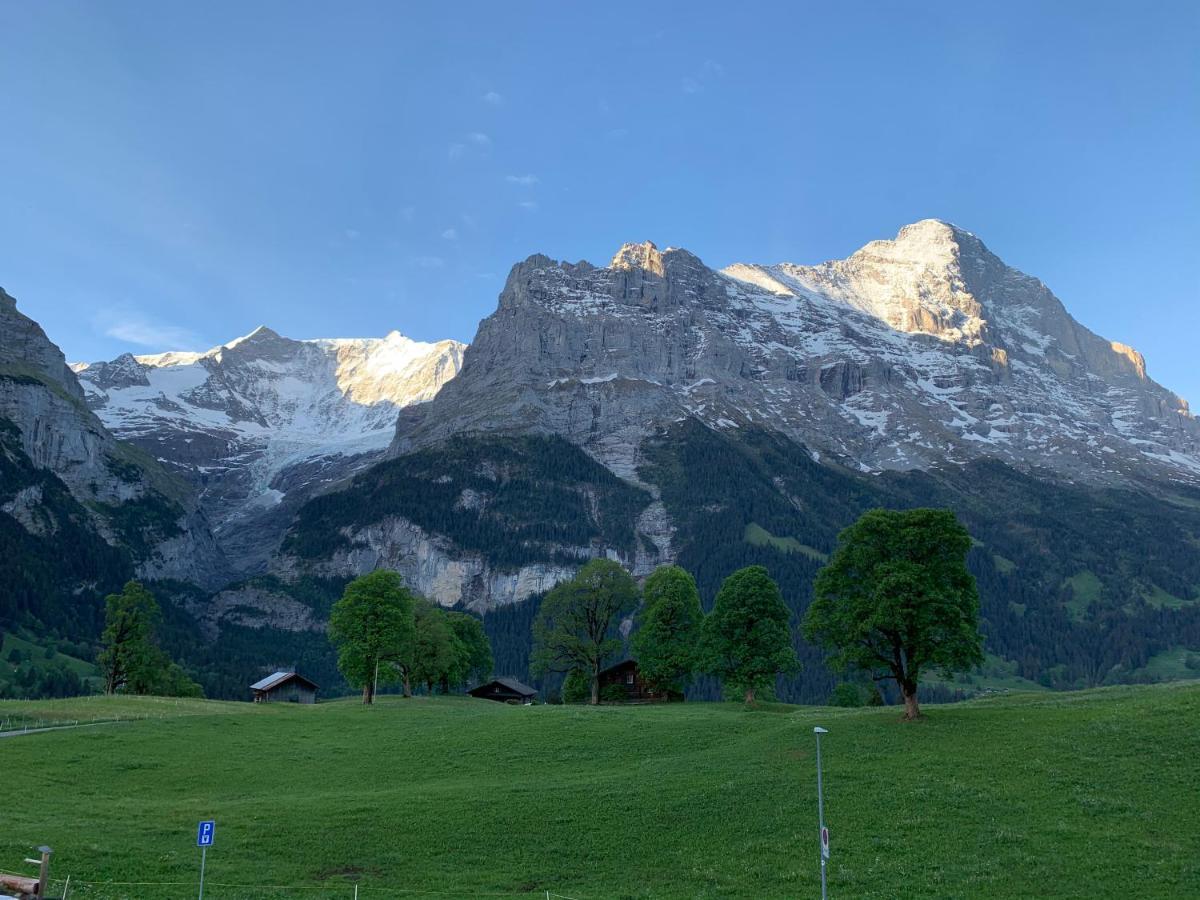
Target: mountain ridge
[
  {"x": 909, "y": 352},
  {"x": 263, "y": 420}
]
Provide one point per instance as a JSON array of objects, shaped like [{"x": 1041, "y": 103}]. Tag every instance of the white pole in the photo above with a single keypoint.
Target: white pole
[
  {"x": 818, "y": 731},
  {"x": 203, "y": 859},
  {"x": 375, "y": 686}
]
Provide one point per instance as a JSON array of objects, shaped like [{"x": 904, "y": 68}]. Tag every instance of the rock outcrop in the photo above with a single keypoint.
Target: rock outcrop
[{"x": 167, "y": 537}]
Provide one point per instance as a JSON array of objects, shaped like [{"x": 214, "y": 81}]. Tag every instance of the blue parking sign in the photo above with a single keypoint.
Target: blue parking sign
[{"x": 204, "y": 835}]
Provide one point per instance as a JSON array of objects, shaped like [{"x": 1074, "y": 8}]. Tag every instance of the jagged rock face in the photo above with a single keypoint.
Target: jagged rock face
[
  {"x": 42, "y": 398},
  {"x": 433, "y": 567},
  {"x": 909, "y": 353},
  {"x": 259, "y": 423}
]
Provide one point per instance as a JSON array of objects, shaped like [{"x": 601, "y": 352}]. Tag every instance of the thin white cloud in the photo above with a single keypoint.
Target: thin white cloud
[
  {"x": 428, "y": 262},
  {"x": 493, "y": 98},
  {"x": 479, "y": 139},
  {"x": 709, "y": 72},
  {"x": 530, "y": 205},
  {"x": 455, "y": 151},
  {"x": 135, "y": 328},
  {"x": 523, "y": 180},
  {"x": 450, "y": 234},
  {"x": 353, "y": 234},
  {"x": 469, "y": 220}
]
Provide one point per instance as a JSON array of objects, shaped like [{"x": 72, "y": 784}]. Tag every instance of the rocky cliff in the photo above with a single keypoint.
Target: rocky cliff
[{"x": 119, "y": 493}]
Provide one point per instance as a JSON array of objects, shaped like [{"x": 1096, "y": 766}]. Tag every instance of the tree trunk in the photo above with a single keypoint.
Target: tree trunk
[
  {"x": 407, "y": 685},
  {"x": 750, "y": 696},
  {"x": 368, "y": 693},
  {"x": 596, "y": 685},
  {"x": 911, "y": 709}
]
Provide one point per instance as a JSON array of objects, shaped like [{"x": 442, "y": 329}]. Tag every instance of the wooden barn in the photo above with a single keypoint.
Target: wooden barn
[
  {"x": 505, "y": 690},
  {"x": 626, "y": 675},
  {"x": 284, "y": 687}
]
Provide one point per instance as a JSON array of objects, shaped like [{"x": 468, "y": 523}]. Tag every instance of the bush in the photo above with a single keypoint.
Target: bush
[
  {"x": 614, "y": 693},
  {"x": 577, "y": 688},
  {"x": 847, "y": 694}
]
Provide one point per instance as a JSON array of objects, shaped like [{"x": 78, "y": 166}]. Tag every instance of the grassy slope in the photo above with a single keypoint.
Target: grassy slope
[{"x": 1068, "y": 795}]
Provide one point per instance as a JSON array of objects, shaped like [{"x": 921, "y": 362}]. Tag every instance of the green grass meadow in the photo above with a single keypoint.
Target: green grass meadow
[{"x": 1088, "y": 795}]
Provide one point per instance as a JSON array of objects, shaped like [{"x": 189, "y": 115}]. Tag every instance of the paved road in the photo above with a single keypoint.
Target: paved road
[{"x": 20, "y": 731}]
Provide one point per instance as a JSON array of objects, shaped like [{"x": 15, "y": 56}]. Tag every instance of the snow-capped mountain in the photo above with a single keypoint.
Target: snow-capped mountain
[
  {"x": 911, "y": 353},
  {"x": 265, "y": 419}
]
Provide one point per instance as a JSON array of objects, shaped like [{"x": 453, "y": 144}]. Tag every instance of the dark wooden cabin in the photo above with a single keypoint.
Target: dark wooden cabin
[
  {"x": 284, "y": 687},
  {"x": 505, "y": 690},
  {"x": 626, "y": 675}
]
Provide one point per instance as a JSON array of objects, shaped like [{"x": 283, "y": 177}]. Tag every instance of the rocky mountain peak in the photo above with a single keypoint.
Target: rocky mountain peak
[
  {"x": 908, "y": 353},
  {"x": 25, "y": 350},
  {"x": 644, "y": 256}
]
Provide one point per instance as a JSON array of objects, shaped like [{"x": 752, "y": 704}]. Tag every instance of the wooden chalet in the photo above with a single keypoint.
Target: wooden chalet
[
  {"x": 505, "y": 690},
  {"x": 626, "y": 675},
  {"x": 284, "y": 687}
]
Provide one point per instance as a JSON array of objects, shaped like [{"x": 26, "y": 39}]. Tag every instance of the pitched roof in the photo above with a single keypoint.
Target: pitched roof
[
  {"x": 619, "y": 665},
  {"x": 277, "y": 678},
  {"x": 512, "y": 684}
]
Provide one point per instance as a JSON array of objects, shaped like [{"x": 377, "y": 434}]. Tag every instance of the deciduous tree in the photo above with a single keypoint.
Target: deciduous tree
[
  {"x": 747, "y": 641},
  {"x": 371, "y": 626},
  {"x": 896, "y": 598},
  {"x": 667, "y": 644},
  {"x": 474, "y": 660},
  {"x": 576, "y": 625},
  {"x": 127, "y": 652}
]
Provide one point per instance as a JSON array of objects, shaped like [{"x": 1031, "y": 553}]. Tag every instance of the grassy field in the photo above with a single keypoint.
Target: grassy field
[{"x": 1085, "y": 795}]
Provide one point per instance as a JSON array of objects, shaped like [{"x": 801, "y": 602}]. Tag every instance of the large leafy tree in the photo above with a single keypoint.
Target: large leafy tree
[
  {"x": 896, "y": 598},
  {"x": 473, "y": 661},
  {"x": 130, "y": 659},
  {"x": 127, "y": 656},
  {"x": 434, "y": 652},
  {"x": 576, "y": 627},
  {"x": 668, "y": 643},
  {"x": 372, "y": 626},
  {"x": 746, "y": 637}
]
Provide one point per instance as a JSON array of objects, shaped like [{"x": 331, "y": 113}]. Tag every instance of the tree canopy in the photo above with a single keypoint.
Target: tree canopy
[
  {"x": 473, "y": 651},
  {"x": 576, "y": 625},
  {"x": 667, "y": 643},
  {"x": 130, "y": 660},
  {"x": 746, "y": 638},
  {"x": 372, "y": 626},
  {"x": 896, "y": 598}
]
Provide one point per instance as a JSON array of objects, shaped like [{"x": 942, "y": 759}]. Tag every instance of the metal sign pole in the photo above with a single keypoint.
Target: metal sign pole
[
  {"x": 204, "y": 839},
  {"x": 822, "y": 835}
]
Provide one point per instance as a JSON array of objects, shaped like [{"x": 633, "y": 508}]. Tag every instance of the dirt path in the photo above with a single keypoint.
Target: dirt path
[{"x": 17, "y": 732}]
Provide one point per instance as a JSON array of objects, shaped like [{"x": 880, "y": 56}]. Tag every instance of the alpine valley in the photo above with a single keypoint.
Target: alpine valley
[{"x": 653, "y": 410}]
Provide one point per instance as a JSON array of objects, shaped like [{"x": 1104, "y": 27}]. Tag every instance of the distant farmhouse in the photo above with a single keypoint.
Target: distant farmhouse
[
  {"x": 505, "y": 690},
  {"x": 284, "y": 687},
  {"x": 627, "y": 677}
]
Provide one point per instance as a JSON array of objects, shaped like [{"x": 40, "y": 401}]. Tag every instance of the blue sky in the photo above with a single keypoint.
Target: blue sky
[{"x": 175, "y": 174}]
